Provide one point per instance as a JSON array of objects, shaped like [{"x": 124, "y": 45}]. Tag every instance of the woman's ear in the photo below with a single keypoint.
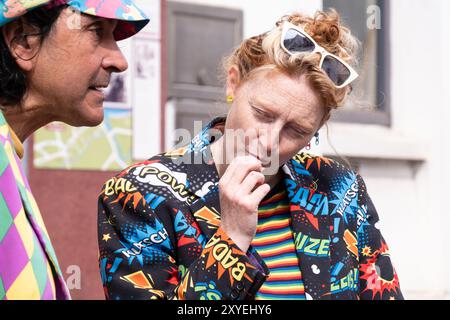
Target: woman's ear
[
  {"x": 23, "y": 43},
  {"x": 233, "y": 81},
  {"x": 325, "y": 119}
]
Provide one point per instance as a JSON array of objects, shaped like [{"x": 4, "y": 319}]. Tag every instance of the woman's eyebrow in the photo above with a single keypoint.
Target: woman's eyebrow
[{"x": 260, "y": 103}]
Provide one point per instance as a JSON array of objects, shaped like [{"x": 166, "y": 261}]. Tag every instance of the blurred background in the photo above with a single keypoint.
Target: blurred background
[{"x": 395, "y": 130}]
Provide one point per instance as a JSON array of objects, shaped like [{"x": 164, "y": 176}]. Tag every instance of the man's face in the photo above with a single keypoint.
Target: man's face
[{"x": 73, "y": 65}]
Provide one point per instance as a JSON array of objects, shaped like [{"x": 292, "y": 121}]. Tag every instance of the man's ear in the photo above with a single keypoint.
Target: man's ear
[
  {"x": 23, "y": 43},
  {"x": 233, "y": 80}
]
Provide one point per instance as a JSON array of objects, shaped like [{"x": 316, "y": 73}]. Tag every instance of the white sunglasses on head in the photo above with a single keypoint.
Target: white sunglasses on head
[{"x": 295, "y": 40}]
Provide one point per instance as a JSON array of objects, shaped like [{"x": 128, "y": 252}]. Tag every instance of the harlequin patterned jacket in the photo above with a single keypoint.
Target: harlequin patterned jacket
[
  {"x": 29, "y": 269},
  {"x": 160, "y": 235}
]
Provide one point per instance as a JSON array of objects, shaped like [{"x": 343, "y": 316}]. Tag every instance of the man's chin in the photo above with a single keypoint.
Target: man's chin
[
  {"x": 95, "y": 120},
  {"x": 93, "y": 114},
  {"x": 93, "y": 123},
  {"x": 92, "y": 119}
]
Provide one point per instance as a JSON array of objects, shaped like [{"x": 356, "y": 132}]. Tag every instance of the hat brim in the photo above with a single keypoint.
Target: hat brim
[{"x": 131, "y": 19}]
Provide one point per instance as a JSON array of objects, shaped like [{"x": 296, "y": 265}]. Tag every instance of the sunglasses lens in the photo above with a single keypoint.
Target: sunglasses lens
[
  {"x": 337, "y": 71},
  {"x": 295, "y": 42}
]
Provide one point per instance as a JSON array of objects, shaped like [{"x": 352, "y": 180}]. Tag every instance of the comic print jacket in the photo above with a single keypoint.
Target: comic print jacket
[{"x": 160, "y": 235}]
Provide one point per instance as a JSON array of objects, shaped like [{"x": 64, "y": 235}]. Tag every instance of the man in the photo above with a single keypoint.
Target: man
[{"x": 56, "y": 57}]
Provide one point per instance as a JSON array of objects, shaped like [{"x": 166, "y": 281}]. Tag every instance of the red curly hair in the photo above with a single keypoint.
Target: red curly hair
[{"x": 264, "y": 51}]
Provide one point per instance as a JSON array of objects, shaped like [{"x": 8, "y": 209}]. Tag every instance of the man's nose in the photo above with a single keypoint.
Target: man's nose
[{"x": 115, "y": 60}]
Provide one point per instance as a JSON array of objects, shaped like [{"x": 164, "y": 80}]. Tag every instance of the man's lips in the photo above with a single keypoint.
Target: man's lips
[{"x": 100, "y": 88}]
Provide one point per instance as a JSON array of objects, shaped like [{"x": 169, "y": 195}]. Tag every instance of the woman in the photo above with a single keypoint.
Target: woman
[
  {"x": 214, "y": 220},
  {"x": 54, "y": 63}
]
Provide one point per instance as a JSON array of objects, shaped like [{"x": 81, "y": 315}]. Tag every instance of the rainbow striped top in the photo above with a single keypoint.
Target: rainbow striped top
[{"x": 274, "y": 242}]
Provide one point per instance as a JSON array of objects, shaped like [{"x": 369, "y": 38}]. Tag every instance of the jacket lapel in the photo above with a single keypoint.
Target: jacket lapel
[
  {"x": 311, "y": 228},
  {"x": 206, "y": 204},
  {"x": 202, "y": 179}
]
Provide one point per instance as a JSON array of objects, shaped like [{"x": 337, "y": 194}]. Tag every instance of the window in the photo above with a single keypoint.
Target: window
[{"x": 369, "y": 102}]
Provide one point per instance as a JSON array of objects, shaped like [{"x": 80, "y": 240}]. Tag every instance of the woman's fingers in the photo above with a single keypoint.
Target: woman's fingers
[
  {"x": 253, "y": 179},
  {"x": 239, "y": 168},
  {"x": 259, "y": 193}
]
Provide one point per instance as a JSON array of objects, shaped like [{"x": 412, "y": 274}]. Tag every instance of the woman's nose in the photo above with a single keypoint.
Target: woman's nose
[{"x": 269, "y": 139}]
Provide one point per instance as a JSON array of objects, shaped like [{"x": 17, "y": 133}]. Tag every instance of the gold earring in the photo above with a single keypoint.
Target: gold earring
[{"x": 230, "y": 99}]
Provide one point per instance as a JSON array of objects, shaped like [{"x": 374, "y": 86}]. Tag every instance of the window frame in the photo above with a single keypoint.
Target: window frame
[{"x": 382, "y": 115}]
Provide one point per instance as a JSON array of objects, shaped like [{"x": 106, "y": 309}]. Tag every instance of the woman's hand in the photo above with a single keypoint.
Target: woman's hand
[{"x": 241, "y": 189}]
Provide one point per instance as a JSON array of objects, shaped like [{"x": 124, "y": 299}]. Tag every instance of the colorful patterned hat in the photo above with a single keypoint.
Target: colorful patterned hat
[{"x": 131, "y": 18}]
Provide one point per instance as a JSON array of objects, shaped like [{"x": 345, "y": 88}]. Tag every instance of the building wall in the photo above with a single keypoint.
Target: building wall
[{"x": 261, "y": 15}]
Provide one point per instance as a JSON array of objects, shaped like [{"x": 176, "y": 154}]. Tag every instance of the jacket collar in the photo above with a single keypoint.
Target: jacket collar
[{"x": 18, "y": 146}]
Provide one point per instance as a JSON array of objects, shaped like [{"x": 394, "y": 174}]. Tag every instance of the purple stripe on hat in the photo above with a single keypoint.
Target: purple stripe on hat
[
  {"x": 13, "y": 257},
  {"x": 8, "y": 188}
]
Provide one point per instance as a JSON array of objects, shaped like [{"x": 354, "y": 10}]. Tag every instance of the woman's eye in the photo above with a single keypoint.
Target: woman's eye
[
  {"x": 296, "y": 133},
  {"x": 262, "y": 115}
]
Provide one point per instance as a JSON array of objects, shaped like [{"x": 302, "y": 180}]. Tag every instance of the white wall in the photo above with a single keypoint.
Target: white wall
[
  {"x": 443, "y": 170},
  {"x": 261, "y": 15}
]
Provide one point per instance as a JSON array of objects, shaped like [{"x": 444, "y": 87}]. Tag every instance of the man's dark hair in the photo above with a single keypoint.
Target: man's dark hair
[{"x": 13, "y": 81}]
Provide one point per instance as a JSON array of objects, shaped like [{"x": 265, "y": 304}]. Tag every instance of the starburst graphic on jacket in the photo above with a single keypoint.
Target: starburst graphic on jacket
[
  {"x": 366, "y": 251},
  {"x": 211, "y": 261},
  {"x": 318, "y": 161},
  {"x": 346, "y": 202},
  {"x": 173, "y": 279},
  {"x": 143, "y": 243},
  {"x": 370, "y": 272},
  {"x": 133, "y": 199},
  {"x": 139, "y": 280}
]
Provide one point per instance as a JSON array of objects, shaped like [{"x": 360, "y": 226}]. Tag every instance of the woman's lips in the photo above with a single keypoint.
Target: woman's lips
[{"x": 265, "y": 162}]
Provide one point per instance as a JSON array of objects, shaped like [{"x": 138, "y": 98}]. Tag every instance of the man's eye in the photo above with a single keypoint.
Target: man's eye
[
  {"x": 96, "y": 28},
  {"x": 98, "y": 31}
]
